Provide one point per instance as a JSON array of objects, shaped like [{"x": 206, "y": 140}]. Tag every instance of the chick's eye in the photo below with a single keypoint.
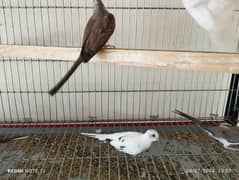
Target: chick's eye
[{"x": 153, "y": 135}]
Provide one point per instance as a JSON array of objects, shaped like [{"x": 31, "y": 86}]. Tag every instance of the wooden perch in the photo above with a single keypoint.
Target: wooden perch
[{"x": 201, "y": 61}]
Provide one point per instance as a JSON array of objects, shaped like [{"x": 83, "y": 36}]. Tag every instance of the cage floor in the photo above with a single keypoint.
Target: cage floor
[{"x": 183, "y": 152}]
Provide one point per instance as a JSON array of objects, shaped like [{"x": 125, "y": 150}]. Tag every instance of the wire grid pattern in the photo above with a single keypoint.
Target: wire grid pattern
[
  {"x": 140, "y": 24},
  {"x": 64, "y": 154},
  {"x": 106, "y": 92}
]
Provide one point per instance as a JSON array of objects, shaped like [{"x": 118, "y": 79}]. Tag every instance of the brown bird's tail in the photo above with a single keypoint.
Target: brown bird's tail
[
  {"x": 66, "y": 77},
  {"x": 195, "y": 120}
]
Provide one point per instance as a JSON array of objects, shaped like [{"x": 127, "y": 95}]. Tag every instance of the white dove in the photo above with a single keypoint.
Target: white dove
[
  {"x": 131, "y": 143},
  {"x": 216, "y": 17}
]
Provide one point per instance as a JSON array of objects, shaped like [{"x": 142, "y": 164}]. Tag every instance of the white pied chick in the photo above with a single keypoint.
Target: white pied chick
[{"x": 131, "y": 143}]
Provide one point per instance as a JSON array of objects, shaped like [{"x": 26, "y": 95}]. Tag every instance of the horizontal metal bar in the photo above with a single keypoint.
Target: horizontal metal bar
[
  {"x": 88, "y": 7},
  {"x": 91, "y": 7},
  {"x": 102, "y": 124},
  {"x": 122, "y": 91}
]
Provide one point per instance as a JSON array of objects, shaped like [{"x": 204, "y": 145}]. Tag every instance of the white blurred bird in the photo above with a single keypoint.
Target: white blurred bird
[
  {"x": 216, "y": 17},
  {"x": 131, "y": 143}
]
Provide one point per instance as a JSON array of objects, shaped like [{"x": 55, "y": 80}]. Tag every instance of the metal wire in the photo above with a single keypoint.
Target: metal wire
[
  {"x": 117, "y": 97},
  {"x": 57, "y": 150},
  {"x": 46, "y": 23}
]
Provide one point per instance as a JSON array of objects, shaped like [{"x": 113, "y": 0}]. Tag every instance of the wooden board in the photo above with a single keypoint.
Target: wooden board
[{"x": 200, "y": 61}]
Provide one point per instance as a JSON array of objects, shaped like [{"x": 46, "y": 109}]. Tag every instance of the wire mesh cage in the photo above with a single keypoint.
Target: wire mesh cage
[
  {"x": 109, "y": 97},
  {"x": 61, "y": 23},
  {"x": 107, "y": 93}
]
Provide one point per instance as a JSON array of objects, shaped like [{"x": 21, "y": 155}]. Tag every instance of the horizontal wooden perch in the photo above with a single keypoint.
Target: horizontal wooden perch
[{"x": 201, "y": 61}]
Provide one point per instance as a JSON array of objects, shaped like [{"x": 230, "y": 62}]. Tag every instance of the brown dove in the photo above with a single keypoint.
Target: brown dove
[{"x": 98, "y": 30}]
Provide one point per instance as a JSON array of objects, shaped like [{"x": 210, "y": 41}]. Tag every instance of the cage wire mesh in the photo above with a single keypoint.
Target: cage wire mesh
[
  {"x": 157, "y": 24},
  {"x": 107, "y": 92},
  {"x": 99, "y": 93}
]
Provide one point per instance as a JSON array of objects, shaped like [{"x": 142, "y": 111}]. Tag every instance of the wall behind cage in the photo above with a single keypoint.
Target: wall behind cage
[
  {"x": 106, "y": 92},
  {"x": 143, "y": 24}
]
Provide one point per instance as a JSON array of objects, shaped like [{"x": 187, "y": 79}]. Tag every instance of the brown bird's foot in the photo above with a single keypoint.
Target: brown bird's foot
[{"x": 108, "y": 46}]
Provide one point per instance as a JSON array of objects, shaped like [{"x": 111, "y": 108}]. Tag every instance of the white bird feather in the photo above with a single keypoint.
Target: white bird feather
[
  {"x": 216, "y": 17},
  {"x": 131, "y": 143}
]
